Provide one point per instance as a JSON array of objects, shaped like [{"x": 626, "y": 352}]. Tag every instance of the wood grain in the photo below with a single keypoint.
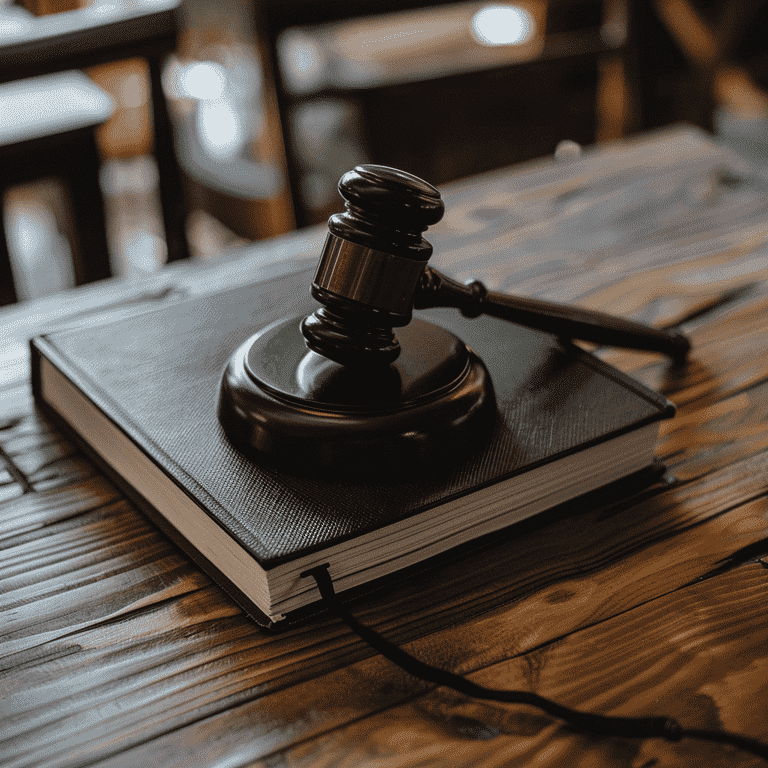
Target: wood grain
[
  {"x": 571, "y": 592},
  {"x": 115, "y": 650},
  {"x": 682, "y": 654}
]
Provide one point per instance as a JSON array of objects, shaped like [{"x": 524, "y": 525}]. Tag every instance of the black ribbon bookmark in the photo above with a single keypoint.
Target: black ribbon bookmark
[{"x": 602, "y": 725}]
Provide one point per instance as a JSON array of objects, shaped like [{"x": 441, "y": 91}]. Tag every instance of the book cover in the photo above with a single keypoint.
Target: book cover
[{"x": 151, "y": 382}]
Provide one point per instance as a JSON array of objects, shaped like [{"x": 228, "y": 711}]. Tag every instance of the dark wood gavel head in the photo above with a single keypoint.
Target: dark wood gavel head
[
  {"x": 335, "y": 391},
  {"x": 372, "y": 260}
]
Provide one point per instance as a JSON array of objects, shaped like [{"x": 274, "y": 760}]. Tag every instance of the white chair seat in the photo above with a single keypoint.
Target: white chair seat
[{"x": 50, "y": 105}]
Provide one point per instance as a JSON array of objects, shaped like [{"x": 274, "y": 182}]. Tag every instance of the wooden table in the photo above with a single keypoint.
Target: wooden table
[{"x": 116, "y": 650}]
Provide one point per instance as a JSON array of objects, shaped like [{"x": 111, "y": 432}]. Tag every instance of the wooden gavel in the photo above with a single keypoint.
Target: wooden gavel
[{"x": 373, "y": 272}]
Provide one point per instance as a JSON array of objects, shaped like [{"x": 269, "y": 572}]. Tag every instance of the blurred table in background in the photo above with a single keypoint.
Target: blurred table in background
[
  {"x": 439, "y": 88},
  {"x": 115, "y": 650},
  {"x": 699, "y": 60}
]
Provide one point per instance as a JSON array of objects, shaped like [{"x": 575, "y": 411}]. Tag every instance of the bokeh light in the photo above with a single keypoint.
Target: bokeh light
[
  {"x": 204, "y": 80},
  {"x": 503, "y": 25}
]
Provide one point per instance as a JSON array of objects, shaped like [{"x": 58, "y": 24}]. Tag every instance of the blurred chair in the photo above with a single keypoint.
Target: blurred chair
[
  {"x": 233, "y": 167},
  {"x": 696, "y": 56},
  {"x": 100, "y": 34},
  {"x": 448, "y": 105},
  {"x": 241, "y": 193},
  {"x": 47, "y": 128}
]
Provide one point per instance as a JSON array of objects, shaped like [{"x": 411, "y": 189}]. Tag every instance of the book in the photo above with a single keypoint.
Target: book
[{"x": 140, "y": 395}]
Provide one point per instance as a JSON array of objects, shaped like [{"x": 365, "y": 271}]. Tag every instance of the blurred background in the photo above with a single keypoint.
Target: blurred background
[{"x": 270, "y": 101}]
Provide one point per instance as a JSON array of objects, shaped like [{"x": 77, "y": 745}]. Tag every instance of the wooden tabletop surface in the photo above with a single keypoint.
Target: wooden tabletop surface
[{"x": 116, "y": 650}]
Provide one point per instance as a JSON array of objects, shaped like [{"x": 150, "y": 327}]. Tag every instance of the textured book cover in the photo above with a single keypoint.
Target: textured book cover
[{"x": 155, "y": 378}]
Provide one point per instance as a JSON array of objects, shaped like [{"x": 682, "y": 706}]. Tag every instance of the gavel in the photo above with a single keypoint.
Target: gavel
[
  {"x": 373, "y": 272},
  {"x": 334, "y": 387}
]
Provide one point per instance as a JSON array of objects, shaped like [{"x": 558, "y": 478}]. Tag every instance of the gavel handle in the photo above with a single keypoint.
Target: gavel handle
[{"x": 474, "y": 299}]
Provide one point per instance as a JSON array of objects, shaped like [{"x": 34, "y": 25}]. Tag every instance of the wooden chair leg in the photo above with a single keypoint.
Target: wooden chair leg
[
  {"x": 90, "y": 252},
  {"x": 7, "y": 287},
  {"x": 170, "y": 181}
]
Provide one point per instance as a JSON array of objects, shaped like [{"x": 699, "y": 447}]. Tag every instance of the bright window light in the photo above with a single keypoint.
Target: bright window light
[
  {"x": 204, "y": 80},
  {"x": 302, "y": 58},
  {"x": 503, "y": 25},
  {"x": 220, "y": 129}
]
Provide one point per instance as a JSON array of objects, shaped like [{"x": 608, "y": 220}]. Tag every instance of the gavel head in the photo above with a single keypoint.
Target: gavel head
[
  {"x": 373, "y": 257},
  {"x": 349, "y": 404}
]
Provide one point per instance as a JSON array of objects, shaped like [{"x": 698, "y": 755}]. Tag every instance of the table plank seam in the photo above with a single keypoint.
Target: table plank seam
[
  {"x": 17, "y": 474},
  {"x": 725, "y": 394},
  {"x": 716, "y": 304},
  {"x": 755, "y": 552}
]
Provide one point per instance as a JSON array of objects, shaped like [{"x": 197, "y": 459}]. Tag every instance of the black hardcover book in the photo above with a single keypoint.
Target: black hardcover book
[{"x": 140, "y": 394}]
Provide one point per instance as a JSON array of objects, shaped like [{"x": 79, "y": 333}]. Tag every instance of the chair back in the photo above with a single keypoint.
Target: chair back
[{"x": 103, "y": 34}]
